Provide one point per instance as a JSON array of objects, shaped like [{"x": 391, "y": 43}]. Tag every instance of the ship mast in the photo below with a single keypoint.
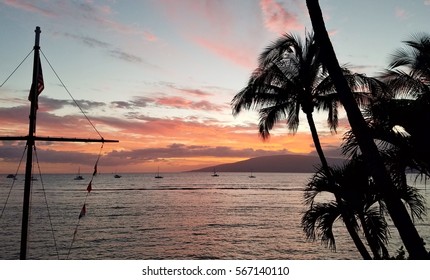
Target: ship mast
[
  {"x": 31, "y": 139},
  {"x": 30, "y": 145}
]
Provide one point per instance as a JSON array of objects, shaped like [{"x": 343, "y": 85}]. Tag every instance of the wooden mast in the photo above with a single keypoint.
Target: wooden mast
[
  {"x": 31, "y": 138},
  {"x": 30, "y": 145}
]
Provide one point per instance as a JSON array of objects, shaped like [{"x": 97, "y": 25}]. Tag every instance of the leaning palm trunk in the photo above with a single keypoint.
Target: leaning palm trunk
[
  {"x": 345, "y": 213},
  {"x": 395, "y": 207},
  {"x": 372, "y": 243}
]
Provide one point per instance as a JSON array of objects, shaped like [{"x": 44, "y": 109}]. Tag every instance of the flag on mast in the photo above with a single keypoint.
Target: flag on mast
[
  {"x": 40, "y": 85},
  {"x": 89, "y": 188},
  {"x": 83, "y": 211}
]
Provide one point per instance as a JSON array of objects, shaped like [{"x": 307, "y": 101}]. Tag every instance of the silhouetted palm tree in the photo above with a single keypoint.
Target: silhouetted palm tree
[
  {"x": 395, "y": 207},
  {"x": 319, "y": 219},
  {"x": 408, "y": 77},
  {"x": 359, "y": 194},
  {"x": 290, "y": 79},
  {"x": 409, "y": 69}
]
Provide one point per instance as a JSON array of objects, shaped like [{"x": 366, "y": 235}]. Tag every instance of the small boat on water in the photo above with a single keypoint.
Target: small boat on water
[
  {"x": 251, "y": 176},
  {"x": 11, "y": 176},
  {"x": 215, "y": 174},
  {"x": 158, "y": 176},
  {"x": 117, "y": 176},
  {"x": 79, "y": 177}
]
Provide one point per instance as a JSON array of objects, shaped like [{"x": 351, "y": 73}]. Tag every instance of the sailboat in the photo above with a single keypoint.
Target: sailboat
[
  {"x": 37, "y": 87},
  {"x": 215, "y": 174},
  {"x": 79, "y": 177},
  {"x": 158, "y": 176},
  {"x": 251, "y": 176},
  {"x": 117, "y": 176}
]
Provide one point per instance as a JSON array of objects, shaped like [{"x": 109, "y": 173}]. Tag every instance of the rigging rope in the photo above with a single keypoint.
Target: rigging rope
[
  {"x": 89, "y": 188},
  {"x": 83, "y": 209},
  {"x": 13, "y": 72},
  {"x": 46, "y": 202},
  {"x": 13, "y": 182},
  {"x": 77, "y": 104}
]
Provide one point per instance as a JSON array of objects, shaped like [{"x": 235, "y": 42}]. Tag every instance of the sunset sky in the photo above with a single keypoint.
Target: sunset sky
[{"x": 159, "y": 75}]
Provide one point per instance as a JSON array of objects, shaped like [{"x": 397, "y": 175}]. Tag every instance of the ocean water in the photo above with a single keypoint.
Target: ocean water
[{"x": 181, "y": 216}]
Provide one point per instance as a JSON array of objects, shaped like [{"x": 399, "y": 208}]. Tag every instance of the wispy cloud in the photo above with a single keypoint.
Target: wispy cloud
[
  {"x": 401, "y": 13},
  {"x": 237, "y": 55},
  {"x": 111, "y": 50},
  {"x": 101, "y": 16},
  {"x": 277, "y": 18},
  {"x": 190, "y": 91},
  {"x": 179, "y": 150},
  {"x": 182, "y": 103},
  {"x": 125, "y": 56},
  {"x": 90, "y": 42},
  {"x": 48, "y": 104},
  {"x": 30, "y": 6},
  {"x": 427, "y": 2}
]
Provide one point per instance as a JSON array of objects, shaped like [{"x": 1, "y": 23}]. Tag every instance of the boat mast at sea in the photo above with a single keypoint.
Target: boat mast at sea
[{"x": 37, "y": 86}]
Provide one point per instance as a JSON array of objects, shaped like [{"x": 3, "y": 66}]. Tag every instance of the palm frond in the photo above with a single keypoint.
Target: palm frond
[
  {"x": 377, "y": 227},
  {"x": 318, "y": 221},
  {"x": 414, "y": 200}
]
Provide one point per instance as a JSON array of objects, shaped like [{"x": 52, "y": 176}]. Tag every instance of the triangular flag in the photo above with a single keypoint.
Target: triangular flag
[
  {"x": 89, "y": 188},
  {"x": 95, "y": 170},
  {"x": 83, "y": 211}
]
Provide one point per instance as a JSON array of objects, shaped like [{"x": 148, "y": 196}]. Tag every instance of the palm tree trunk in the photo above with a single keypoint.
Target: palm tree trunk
[
  {"x": 396, "y": 209},
  {"x": 372, "y": 244},
  {"x": 345, "y": 213}
]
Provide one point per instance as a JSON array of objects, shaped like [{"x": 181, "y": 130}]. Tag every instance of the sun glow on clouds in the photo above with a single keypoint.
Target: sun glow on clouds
[
  {"x": 159, "y": 76},
  {"x": 277, "y": 18}
]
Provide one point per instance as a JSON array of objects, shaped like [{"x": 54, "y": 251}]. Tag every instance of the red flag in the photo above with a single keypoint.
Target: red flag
[
  {"x": 89, "y": 188},
  {"x": 40, "y": 83},
  {"x": 95, "y": 170},
  {"x": 83, "y": 211}
]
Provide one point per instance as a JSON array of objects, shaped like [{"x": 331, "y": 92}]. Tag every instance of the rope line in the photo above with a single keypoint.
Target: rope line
[
  {"x": 83, "y": 209},
  {"x": 46, "y": 202},
  {"x": 19, "y": 65},
  {"x": 13, "y": 182},
  {"x": 77, "y": 104}
]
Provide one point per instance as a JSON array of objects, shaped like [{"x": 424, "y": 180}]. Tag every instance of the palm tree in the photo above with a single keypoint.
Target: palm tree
[
  {"x": 359, "y": 194},
  {"x": 289, "y": 79},
  {"x": 408, "y": 77},
  {"x": 395, "y": 207},
  {"x": 356, "y": 192},
  {"x": 409, "y": 69}
]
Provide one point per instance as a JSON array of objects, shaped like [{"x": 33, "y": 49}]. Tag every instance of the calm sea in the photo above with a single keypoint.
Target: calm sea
[{"x": 181, "y": 216}]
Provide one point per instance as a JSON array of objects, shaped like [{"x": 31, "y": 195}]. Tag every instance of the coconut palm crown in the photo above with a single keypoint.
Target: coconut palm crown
[{"x": 290, "y": 78}]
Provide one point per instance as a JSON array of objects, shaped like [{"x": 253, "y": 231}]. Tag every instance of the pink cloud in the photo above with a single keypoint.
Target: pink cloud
[
  {"x": 237, "y": 55},
  {"x": 150, "y": 36},
  {"x": 277, "y": 19},
  {"x": 182, "y": 103},
  {"x": 401, "y": 13},
  {"x": 29, "y": 7}
]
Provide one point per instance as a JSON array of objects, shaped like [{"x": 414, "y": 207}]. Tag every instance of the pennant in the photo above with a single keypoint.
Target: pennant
[
  {"x": 40, "y": 85},
  {"x": 89, "y": 188},
  {"x": 83, "y": 211},
  {"x": 95, "y": 170}
]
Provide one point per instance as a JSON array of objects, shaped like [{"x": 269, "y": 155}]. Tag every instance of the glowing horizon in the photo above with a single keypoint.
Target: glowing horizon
[{"x": 159, "y": 76}]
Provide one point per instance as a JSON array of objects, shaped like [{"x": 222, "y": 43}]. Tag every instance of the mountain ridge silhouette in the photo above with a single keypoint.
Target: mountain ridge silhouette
[{"x": 275, "y": 163}]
